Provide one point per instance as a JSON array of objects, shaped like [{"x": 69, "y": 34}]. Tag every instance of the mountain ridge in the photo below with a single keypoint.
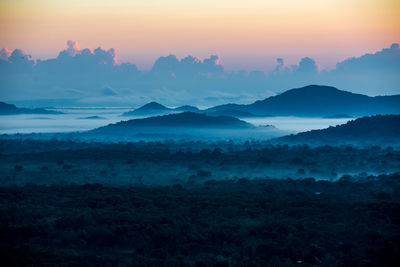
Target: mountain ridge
[
  {"x": 155, "y": 108},
  {"x": 319, "y": 101},
  {"x": 189, "y": 120},
  {"x": 383, "y": 129},
  {"x": 10, "y": 109},
  {"x": 307, "y": 101}
]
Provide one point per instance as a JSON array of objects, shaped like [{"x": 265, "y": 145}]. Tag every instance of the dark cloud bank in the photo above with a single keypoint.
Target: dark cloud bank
[{"x": 94, "y": 77}]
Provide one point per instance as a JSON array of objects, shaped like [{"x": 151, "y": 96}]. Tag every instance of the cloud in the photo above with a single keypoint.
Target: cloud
[
  {"x": 80, "y": 72},
  {"x": 284, "y": 77},
  {"x": 211, "y": 65},
  {"x": 280, "y": 67},
  {"x": 376, "y": 73},
  {"x": 190, "y": 61},
  {"x": 171, "y": 66},
  {"x": 105, "y": 57},
  {"x": 386, "y": 60},
  {"x": 372, "y": 74},
  {"x": 20, "y": 58},
  {"x": 166, "y": 65},
  {"x": 307, "y": 66},
  {"x": 5, "y": 54},
  {"x": 73, "y": 53},
  {"x": 73, "y": 48}
]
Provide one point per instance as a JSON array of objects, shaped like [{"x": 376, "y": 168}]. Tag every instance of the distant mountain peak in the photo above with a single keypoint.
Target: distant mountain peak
[
  {"x": 153, "y": 106},
  {"x": 187, "y": 108},
  {"x": 11, "y": 109},
  {"x": 320, "y": 101},
  {"x": 316, "y": 90},
  {"x": 181, "y": 120}
]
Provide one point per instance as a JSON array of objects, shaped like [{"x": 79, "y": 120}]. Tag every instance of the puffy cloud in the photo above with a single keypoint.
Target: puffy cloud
[
  {"x": 166, "y": 64},
  {"x": 376, "y": 73},
  {"x": 82, "y": 72},
  {"x": 87, "y": 55},
  {"x": 172, "y": 66},
  {"x": 73, "y": 48},
  {"x": 19, "y": 57},
  {"x": 386, "y": 60},
  {"x": 113, "y": 53},
  {"x": 307, "y": 66},
  {"x": 211, "y": 65},
  {"x": 190, "y": 60},
  {"x": 87, "y": 52},
  {"x": 212, "y": 60},
  {"x": 5, "y": 54},
  {"x": 280, "y": 66},
  {"x": 108, "y": 57},
  {"x": 285, "y": 77}
]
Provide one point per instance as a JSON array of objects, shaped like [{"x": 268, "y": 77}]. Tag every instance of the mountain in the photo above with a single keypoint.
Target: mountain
[
  {"x": 92, "y": 118},
  {"x": 188, "y": 120},
  {"x": 319, "y": 101},
  {"x": 187, "y": 108},
  {"x": 10, "y": 109},
  {"x": 379, "y": 129},
  {"x": 152, "y": 108}
]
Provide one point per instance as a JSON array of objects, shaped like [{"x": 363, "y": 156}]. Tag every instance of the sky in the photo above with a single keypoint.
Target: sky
[{"x": 247, "y": 34}]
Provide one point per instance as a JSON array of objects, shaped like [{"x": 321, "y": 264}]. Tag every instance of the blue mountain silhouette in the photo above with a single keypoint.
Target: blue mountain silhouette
[
  {"x": 10, "y": 109},
  {"x": 319, "y": 101},
  {"x": 375, "y": 129}
]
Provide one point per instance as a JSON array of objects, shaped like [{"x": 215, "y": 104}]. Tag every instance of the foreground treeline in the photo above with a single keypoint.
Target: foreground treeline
[
  {"x": 49, "y": 162},
  {"x": 264, "y": 222}
]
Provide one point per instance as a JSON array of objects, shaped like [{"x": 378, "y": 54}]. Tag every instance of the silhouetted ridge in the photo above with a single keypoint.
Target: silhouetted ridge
[
  {"x": 10, "y": 109},
  {"x": 152, "y": 106},
  {"x": 379, "y": 128},
  {"x": 93, "y": 118},
  {"x": 187, "y": 108},
  {"x": 319, "y": 101},
  {"x": 183, "y": 120}
]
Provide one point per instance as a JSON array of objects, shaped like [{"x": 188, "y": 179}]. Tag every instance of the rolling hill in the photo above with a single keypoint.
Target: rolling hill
[
  {"x": 186, "y": 120},
  {"x": 10, "y": 109},
  {"x": 154, "y": 108},
  {"x": 319, "y": 101},
  {"x": 379, "y": 129}
]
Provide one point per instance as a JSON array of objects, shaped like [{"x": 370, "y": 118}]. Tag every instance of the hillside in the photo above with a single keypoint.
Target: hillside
[
  {"x": 10, "y": 109},
  {"x": 152, "y": 108},
  {"x": 319, "y": 101},
  {"x": 187, "y": 108},
  {"x": 379, "y": 129},
  {"x": 187, "y": 120}
]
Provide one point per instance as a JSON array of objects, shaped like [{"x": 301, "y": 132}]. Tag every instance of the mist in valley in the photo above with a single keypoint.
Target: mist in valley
[{"x": 200, "y": 134}]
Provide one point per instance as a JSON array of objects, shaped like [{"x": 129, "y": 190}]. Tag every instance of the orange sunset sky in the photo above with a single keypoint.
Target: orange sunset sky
[{"x": 247, "y": 34}]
